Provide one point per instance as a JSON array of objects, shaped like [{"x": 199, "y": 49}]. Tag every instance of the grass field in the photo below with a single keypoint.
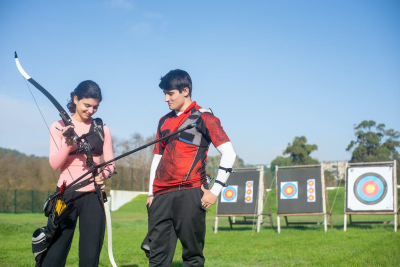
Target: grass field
[{"x": 302, "y": 245}]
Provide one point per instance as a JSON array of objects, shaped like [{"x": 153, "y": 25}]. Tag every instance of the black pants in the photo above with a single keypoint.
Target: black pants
[
  {"x": 177, "y": 215},
  {"x": 86, "y": 206}
]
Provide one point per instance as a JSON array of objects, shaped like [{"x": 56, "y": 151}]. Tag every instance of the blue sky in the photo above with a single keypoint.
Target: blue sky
[{"x": 270, "y": 70}]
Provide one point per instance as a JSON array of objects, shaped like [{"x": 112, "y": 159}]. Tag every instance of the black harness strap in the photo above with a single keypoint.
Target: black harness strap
[{"x": 226, "y": 169}]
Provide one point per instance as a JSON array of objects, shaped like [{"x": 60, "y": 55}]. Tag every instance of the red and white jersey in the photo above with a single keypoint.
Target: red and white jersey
[{"x": 182, "y": 165}]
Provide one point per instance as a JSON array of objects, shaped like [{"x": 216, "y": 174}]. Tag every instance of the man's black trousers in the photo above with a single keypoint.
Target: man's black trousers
[
  {"x": 86, "y": 206},
  {"x": 175, "y": 215}
]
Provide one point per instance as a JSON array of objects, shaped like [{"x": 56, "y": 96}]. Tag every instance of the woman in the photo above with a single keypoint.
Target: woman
[{"x": 83, "y": 203}]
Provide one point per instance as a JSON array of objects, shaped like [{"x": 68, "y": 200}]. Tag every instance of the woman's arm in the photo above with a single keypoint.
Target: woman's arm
[
  {"x": 59, "y": 149},
  {"x": 108, "y": 153}
]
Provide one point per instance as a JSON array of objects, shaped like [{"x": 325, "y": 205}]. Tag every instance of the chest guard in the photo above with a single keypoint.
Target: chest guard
[
  {"x": 192, "y": 136},
  {"x": 93, "y": 137}
]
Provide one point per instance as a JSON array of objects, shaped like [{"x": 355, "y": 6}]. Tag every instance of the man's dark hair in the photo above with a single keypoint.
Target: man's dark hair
[{"x": 176, "y": 79}]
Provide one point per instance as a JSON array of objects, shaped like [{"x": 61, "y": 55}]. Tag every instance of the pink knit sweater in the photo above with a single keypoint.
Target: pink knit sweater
[{"x": 75, "y": 165}]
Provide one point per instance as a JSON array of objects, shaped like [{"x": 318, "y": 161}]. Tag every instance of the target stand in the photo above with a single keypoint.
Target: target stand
[
  {"x": 243, "y": 197},
  {"x": 301, "y": 191},
  {"x": 371, "y": 188}
]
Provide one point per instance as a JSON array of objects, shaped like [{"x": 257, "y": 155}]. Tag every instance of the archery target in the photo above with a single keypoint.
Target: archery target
[
  {"x": 289, "y": 190},
  {"x": 370, "y": 188},
  {"x": 229, "y": 194},
  {"x": 311, "y": 190},
  {"x": 248, "y": 197}
]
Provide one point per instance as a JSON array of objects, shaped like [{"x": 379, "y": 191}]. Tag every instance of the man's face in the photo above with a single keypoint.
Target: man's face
[{"x": 176, "y": 100}]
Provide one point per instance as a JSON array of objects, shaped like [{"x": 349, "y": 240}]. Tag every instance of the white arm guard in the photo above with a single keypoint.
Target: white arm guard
[
  {"x": 154, "y": 165},
  {"x": 228, "y": 157}
]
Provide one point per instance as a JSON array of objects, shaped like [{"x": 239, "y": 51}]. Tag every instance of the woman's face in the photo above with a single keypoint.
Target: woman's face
[{"x": 86, "y": 107}]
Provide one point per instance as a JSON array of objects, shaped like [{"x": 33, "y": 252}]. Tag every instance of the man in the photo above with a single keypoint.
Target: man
[{"x": 178, "y": 192}]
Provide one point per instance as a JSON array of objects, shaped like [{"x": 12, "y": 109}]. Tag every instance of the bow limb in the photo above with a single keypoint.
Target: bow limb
[
  {"x": 109, "y": 233},
  {"x": 64, "y": 115}
]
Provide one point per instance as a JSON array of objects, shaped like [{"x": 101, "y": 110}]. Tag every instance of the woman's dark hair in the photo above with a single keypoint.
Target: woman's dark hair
[
  {"x": 86, "y": 89},
  {"x": 176, "y": 79}
]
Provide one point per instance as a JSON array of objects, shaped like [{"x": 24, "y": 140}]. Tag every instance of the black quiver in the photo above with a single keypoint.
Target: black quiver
[{"x": 41, "y": 241}]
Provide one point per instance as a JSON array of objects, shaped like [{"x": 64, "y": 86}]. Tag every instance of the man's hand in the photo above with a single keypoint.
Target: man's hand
[
  {"x": 208, "y": 198},
  {"x": 149, "y": 200}
]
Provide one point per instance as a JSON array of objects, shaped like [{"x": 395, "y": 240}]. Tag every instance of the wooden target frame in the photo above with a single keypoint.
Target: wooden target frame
[
  {"x": 395, "y": 210},
  {"x": 258, "y": 211},
  {"x": 324, "y": 197}
]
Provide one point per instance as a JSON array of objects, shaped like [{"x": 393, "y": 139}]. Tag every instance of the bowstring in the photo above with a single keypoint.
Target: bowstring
[{"x": 48, "y": 128}]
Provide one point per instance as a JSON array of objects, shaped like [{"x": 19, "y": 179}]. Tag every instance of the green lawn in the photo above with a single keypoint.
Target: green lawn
[{"x": 300, "y": 245}]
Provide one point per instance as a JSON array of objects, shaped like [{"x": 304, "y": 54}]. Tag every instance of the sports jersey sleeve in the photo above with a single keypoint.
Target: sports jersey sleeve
[
  {"x": 158, "y": 149},
  {"x": 215, "y": 131},
  {"x": 59, "y": 149},
  {"x": 228, "y": 157},
  {"x": 153, "y": 168},
  {"x": 108, "y": 153}
]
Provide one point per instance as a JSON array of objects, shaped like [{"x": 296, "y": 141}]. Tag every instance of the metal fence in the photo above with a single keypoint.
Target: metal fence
[
  {"x": 26, "y": 201},
  {"x": 22, "y": 201}
]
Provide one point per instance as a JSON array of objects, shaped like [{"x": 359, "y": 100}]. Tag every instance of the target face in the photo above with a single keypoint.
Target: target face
[
  {"x": 289, "y": 190},
  {"x": 248, "y": 198},
  {"x": 311, "y": 190},
  {"x": 370, "y": 188},
  {"x": 229, "y": 194}
]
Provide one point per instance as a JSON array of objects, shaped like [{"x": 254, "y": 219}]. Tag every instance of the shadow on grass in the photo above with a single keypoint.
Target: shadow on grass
[
  {"x": 235, "y": 228},
  {"x": 303, "y": 227}
]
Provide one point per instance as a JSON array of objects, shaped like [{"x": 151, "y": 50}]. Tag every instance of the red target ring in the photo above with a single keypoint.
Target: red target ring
[{"x": 370, "y": 188}]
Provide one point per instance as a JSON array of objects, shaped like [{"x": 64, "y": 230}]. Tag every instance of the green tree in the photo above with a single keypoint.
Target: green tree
[
  {"x": 299, "y": 153},
  {"x": 374, "y": 143}
]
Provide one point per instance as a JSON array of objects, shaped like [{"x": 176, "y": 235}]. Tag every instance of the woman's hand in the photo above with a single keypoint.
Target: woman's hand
[
  {"x": 67, "y": 133},
  {"x": 99, "y": 179}
]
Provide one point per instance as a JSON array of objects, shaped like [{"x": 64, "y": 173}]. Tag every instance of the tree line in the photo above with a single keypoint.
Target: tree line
[{"x": 372, "y": 143}]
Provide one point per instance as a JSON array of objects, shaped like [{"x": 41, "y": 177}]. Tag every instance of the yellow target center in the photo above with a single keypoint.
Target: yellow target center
[
  {"x": 229, "y": 193},
  {"x": 370, "y": 188},
  {"x": 289, "y": 190}
]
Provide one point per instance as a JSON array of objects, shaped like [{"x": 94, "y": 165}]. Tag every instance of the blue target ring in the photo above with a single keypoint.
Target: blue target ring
[
  {"x": 370, "y": 188},
  {"x": 292, "y": 187},
  {"x": 226, "y": 194}
]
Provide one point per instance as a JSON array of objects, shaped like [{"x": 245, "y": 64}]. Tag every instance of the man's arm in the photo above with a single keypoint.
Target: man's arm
[
  {"x": 154, "y": 165},
  {"x": 228, "y": 157}
]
